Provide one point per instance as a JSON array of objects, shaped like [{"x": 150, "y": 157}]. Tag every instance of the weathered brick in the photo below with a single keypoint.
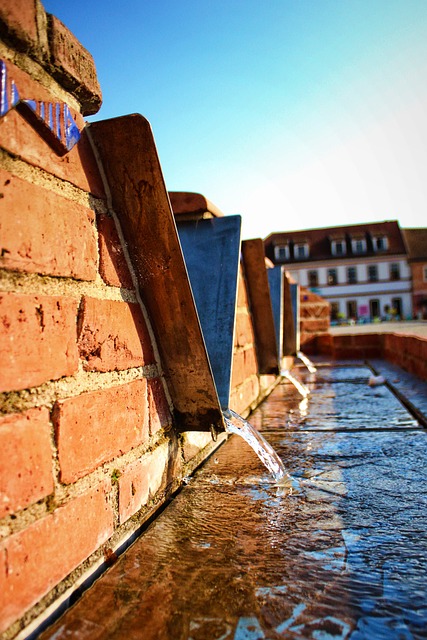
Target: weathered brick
[
  {"x": 251, "y": 367},
  {"x": 42, "y": 232},
  {"x": 113, "y": 335},
  {"x": 112, "y": 262},
  {"x": 95, "y": 427},
  {"x": 73, "y": 66},
  {"x": 412, "y": 345},
  {"x": 245, "y": 395},
  {"x": 141, "y": 480},
  {"x": 25, "y": 459},
  {"x": 368, "y": 340},
  {"x": 238, "y": 368},
  {"x": 244, "y": 365},
  {"x": 18, "y": 137},
  {"x": 242, "y": 294},
  {"x": 343, "y": 341},
  {"x": 244, "y": 334},
  {"x": 38, "y": 339},
  {"x": 19, "y": 18},
  {"x": 36, "y": 559},
  {"x": 314, "y": 325},
  {"x": 193, "y": 442},
  {"x": 160, "y": 416}
]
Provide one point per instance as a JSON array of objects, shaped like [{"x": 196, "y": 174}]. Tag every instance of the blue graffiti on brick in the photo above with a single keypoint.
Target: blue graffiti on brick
[{"x": 52, "y": 120}]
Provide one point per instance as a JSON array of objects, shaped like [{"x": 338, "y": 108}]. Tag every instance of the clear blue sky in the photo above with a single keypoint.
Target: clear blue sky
[{"x": 292, "y": 113}]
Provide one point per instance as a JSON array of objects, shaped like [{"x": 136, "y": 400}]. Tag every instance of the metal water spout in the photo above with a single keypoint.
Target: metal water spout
[
  {"x": 308, "y": 363},
  {"x": 299, "y": 386},
  {"x": 234, "y": 423}
]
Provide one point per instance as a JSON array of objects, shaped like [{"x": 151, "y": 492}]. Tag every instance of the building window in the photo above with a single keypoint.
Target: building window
[
  {"x": 332, "y": 277},
  {"x": 396, "y": 305},
  {"x": 358, "y": 245},
  {"x": 338, "y": 247},
  {"x": 352, "y": 309},
  {"x": 313, "y": 279},
  {"x": 380, "y": 243},
  {"x": 301, "y": 250},
  {"x": 281, "y": 252},
  {"x": 373, "y": 273},
  {"x": 351, "y": 275},
  {"x": 374, "y": 309},
  {"x": 335, "y": 309},
  {"x": 395, "y": 271},
  {"x": 425, "y": 274}
]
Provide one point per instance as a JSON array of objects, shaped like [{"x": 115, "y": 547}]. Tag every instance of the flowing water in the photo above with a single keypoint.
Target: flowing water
[
  {"x": 235, "y": 557},
  {"x": 299, "y": 386},
  {"x": 308, "y": 363},
  {"x": 265, "y": 452}
]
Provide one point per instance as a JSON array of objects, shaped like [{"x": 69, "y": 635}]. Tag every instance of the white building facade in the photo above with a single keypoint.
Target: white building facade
[{"x": 362, "y": 270}]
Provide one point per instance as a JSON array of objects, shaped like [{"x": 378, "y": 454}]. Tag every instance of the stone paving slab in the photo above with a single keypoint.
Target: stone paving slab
[{"x": 234, "y": 556}]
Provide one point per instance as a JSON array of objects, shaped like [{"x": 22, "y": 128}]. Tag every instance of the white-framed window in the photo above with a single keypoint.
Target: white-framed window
[
  {"x": 394, "y": 271},
  {"x": 351, "y": 309},
  {"x": 425, "y": 273},
  {"x": 335, "y": 309},
  {"x": 338, "y": 247},
  {"x": 313, "y": 278},
  {"x": 373, "y": 273},
  {"x": 281, "y": 252},
  {"x": 380, "y": 243},
  {"x": 332, "y": 277},
  {"x": 358, "y": 245},
  {"x": 301, "y": 250},
  {"x": 351, "y": 275}
]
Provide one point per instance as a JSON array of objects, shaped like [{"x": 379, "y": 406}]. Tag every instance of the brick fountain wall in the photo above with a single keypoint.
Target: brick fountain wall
[{"x": 87, "y": 448}]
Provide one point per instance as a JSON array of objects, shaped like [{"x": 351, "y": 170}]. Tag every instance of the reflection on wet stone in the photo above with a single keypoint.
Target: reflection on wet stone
[{"x": 234, "y": 557}]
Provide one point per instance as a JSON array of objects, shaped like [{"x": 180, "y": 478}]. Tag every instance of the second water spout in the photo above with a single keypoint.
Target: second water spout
[
  {"x": 304, "y": 391},
  {"x": 308, "y": 363}
]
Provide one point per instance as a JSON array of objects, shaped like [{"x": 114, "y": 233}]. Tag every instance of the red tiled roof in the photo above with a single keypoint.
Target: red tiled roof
[
  {"x": 416, "y": 241},
  {"x": 319, "y": 240}
]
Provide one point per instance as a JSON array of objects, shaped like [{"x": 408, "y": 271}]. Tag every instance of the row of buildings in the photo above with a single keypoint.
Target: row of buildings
[{"x": 368, "y": 272}]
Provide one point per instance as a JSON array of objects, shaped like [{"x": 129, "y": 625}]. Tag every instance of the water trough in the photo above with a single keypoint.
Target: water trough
[{"x": 236, "y": 557}]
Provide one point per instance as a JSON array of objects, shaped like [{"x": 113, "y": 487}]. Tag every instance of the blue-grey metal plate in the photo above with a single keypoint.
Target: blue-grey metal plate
[
  {"x": 295, "y": 312},
  {"x": 275, "y": 281},
  {"x": 211, "y": 250}
]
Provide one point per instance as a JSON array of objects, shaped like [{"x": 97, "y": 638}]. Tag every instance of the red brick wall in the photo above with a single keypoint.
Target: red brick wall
[
  {"x": 314, "y": 318},
  {"x": 247, "y": 386},
  {"x": 86, "y": 448},
  {"x": 409, "y": 352},
  {"x": 87, "y": 452}
]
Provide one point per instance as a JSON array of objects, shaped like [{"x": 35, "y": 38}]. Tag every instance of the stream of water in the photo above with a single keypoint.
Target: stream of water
[
  {"x": 300, "y": 386},
  {"x": 234, "y": 423},
  {"x": 308, "y": 363}
]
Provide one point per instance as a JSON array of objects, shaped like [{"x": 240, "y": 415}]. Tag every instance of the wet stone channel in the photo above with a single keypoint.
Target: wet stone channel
[{"x": 234, "y": 556}]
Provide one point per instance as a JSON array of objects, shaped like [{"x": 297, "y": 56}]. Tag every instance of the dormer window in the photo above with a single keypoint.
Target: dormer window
[
  {"x": 301, "y": 250},
  {"x": 358, "y": 245},
  {"x": 380, "y": 243},
  {"x": 338, "y": 247},
  {"x": 281, "y": 252}
]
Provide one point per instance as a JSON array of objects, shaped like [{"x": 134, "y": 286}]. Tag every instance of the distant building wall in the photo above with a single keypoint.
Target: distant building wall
[
  {"x": 419, "y": 280},
  {"x": 368, "y": 277}
]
